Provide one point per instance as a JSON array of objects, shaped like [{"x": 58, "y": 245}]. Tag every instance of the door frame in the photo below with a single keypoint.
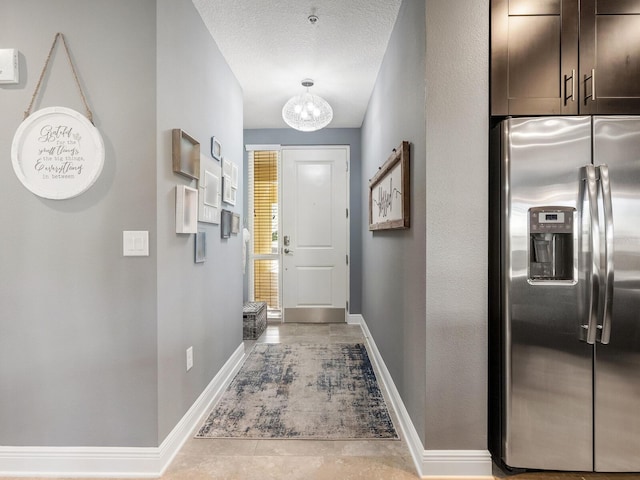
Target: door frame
[{"x": 347, "y": 219}]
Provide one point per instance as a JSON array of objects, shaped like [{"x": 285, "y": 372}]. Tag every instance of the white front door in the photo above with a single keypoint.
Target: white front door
[{"x": 314, "y": 234}]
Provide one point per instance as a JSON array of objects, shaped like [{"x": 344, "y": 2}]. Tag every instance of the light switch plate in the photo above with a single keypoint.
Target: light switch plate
[
  {"x": 135, "y": 243},
  {"x": 9, "y": 73}
]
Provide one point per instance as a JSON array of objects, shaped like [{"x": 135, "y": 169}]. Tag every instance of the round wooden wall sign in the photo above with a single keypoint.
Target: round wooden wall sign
[{"x": 57, "y": 153}]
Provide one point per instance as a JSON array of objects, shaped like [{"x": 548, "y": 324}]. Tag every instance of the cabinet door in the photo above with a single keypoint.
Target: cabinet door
[
  {"x": 610, "y": 56},
  {"x": 534, "y": 57}
]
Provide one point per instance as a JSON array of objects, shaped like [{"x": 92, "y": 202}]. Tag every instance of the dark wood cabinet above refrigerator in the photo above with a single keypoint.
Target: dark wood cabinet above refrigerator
[{"x": 565, "y": 57}]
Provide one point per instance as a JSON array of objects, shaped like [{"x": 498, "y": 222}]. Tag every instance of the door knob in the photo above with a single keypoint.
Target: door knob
[{"x": 287, "y": 251}]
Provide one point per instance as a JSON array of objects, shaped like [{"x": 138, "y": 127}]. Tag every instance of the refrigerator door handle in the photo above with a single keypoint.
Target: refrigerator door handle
[
  {"x": 605, "y": 187},
  {"x": 588, "y": 176}
]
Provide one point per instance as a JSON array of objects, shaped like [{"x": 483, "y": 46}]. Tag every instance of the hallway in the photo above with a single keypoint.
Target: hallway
[
  {"x": 295, "y": 459},
  {"x": 226, "y": 459},
  {"x": 231, "y": 459}
]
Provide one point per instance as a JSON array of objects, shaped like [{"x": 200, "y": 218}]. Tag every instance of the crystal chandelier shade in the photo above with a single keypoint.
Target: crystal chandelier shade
[{"x": 307, "y": 112}]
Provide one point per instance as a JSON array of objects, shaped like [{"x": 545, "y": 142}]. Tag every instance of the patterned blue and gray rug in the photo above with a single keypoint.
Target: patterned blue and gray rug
[{"x": 302, "y": 391}]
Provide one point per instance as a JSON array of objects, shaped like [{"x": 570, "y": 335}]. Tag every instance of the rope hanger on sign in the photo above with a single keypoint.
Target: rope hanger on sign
[{"x": 75, "y": 76}]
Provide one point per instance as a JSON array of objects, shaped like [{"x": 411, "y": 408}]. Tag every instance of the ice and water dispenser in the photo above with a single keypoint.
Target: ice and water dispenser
[{"x": 551, "y": 244}]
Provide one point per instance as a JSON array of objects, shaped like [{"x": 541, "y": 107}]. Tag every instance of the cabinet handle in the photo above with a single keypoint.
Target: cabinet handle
[
  {"x": 593, "y": 86},
  {"x": 571, "y": 97}
]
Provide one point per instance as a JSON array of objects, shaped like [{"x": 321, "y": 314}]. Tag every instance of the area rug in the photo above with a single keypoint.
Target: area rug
[{"x": 302, "y": 391}]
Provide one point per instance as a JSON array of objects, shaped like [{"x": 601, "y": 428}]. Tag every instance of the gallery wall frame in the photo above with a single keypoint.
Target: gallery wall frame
[
  {"x": 209, "y": 190},
  {"x": 212, "y": 189},
  {"x": 226, "y": 221},
  {"x": 231, "y": 178},
  {"x": 229, "y": 194},
  {"x": 216, "y": 148},
  {"x": 235, "y": 224},
  {"x": 200, "y": 254},
  {"x": 389, "y": 192},
  {"x": 185, "y": 153},
  {"x": 186, "y": 209},
  {"x": 235, "y": 176}
]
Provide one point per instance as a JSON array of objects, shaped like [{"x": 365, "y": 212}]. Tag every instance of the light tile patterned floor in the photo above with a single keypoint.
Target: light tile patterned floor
[
  {"x": 224, "y": 459},
  {"x": 296, "y": 459}
]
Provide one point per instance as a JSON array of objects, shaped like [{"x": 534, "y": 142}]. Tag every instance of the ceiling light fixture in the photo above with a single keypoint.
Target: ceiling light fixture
[{"x": 307, "y": 112}]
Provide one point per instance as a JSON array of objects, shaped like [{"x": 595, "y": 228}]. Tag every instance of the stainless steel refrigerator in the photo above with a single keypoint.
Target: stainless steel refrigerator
[{"x": 565, "y": 293}]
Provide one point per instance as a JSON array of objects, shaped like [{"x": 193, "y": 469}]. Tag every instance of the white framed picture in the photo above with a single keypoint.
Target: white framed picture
[
  {"x": 230, "y": 175},
  {"x": 210, "y": 191},
  {"x": 216, "y": 148},
  {"x": 234, "y": 176},
  {"x": 229, "y": 192},
  {"x": 227, "y": 168},
  {"x": 186, "y": 209}
]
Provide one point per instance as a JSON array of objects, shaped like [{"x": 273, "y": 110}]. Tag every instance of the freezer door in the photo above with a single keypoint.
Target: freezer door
[
  {"x": 617, "y": 365},
  {"x": 548, "y": 370}
]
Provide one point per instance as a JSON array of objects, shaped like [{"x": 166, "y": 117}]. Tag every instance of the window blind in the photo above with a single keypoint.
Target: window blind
[{"x": 263, "y": 199}]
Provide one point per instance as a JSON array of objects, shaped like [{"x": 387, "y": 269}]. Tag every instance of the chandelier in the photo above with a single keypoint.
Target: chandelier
[{"x": 307, "y": 112}]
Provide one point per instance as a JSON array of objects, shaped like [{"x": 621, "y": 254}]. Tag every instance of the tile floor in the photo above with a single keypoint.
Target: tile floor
[
  {"x": 227, "y": 459},
  {"x": 208, "y": 459},
  {"x": 295, "y": 459},
  {"x": 305, "y": 459}
]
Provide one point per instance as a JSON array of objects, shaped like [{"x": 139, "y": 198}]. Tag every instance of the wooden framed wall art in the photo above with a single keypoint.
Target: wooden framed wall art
[
  {"x": 389, "y": 192},
  {"x": 186, "y": 154}
]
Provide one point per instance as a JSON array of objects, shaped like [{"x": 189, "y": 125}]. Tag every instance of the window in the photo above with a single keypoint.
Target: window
[{"x": 264, "y": 225}]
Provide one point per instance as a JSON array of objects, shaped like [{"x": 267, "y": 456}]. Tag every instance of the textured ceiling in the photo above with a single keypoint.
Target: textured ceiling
[{"x": 271, "y": 46}]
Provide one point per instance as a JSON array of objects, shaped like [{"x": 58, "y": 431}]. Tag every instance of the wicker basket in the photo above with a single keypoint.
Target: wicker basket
[{"x": 254, "y": 320}]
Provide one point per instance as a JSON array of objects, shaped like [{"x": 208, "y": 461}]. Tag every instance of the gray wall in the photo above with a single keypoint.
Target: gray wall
[
  {"x": 457, "y": 193},
  {"x": 77, "y": 319},
  {"x": 92, "y": 344},
  {"x": 434, "y": 349},
  {"x": 327, "y": 136},
  {"x": 199, "y": 305},
  {"x": 393, "y": 272}
]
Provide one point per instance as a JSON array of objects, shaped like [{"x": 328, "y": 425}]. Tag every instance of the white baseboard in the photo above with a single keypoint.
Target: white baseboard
[
  {"x": 182, "y": 431},
  {"x": 428, "y": 463},
  {"x": 118, "y": 462},
  {"x": 151, "y": 462},
  {"x": 457, "y": 463}
]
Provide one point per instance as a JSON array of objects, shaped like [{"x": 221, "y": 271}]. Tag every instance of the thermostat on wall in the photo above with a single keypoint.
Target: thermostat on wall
[{"x": 9, "y": 65}]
